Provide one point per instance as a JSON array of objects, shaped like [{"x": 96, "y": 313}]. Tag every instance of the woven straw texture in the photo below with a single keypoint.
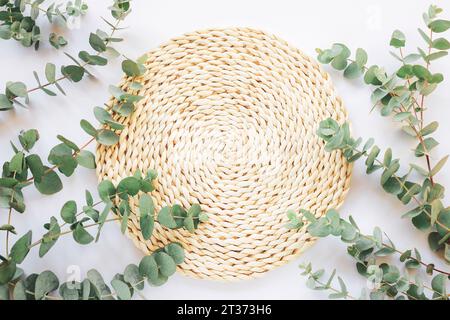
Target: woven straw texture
[{"x": 228, "y": 121}]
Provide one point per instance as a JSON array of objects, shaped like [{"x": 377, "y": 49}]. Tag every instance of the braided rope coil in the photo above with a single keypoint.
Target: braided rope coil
[{"x": 228, "y": 121}]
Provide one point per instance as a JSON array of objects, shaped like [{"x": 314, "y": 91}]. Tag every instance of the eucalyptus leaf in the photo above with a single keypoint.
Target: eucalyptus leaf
[
  {"x": 21, "y": 248},
  {"x": 46, "y": 282}
]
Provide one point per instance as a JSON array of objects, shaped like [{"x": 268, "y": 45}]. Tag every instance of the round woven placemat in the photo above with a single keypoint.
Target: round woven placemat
[{"x": 228, "y": 121}]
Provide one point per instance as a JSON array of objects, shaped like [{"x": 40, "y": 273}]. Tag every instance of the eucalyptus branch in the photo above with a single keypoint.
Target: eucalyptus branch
[
  {"x": 365, "y": 249},
  {"x": 156, "y": 268},
  {"x": 402, "y": 95},
  {"x": 82, "y": 66},
  {"x": 315, "y": 283},
  {"x": 19, "y": 20},
  {"x": 338, "y": 137},
  {"x": 100, "y": 43},
  {"x": 399, "y": 98}
]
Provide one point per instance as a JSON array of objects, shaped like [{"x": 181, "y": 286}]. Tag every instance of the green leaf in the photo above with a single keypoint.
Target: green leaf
[
  {"x": 61, "y": 156},
  {"x": 405, "y": 71},
  {"x": 389, "y": 172},
  {"x": 339, "y": 63},
  {"x": 421, "y": 72},
  {"x": 438, "y": 284},
  {"x": 17, "y": 163},
  {"x": 69, "y": 211},
  {"x": 50, "y": 238},
  {"x": 122, "y": 290},
  {"x": 81, "y": 236},
  {"x": 128, "y": 186},
  {"x": 433, "y": 241},
  {"x": 421, "y": 221},
  {"x": 88, "y": 128},
  {"x": 36, "y": 167},
  {"x": 444, "y": 220},
  {"x": 166, "y": 264},
  {"x": 430, "y": 128},
  {"x": 106, "y": 190},
  {"x": 92, "y": 59},
  {"x": 28, "y": 138},
  {"x": 425, "y": 147},
  {"x": 5, "y": 32},
  {"x": 412, "y": 57},
  {"x": 419, "y": 169},
  {"x": 86, "y": 159},
  {"x": 436, "y": 55},
  {"x": 189, "y": 224},
  {"x": 69, "y": 293},
  {"x": 101, "y": 290},
  {"x": 97, "y": 43},
  {"x": 405, "y": 255},
  {"x": 18, "y": 89},
  {"x": 86, "y": 289},
  {"x": 7, "y": 271},
  {"x": 439, "y": 166},
  {"x": 19, "y": 292},
  {"x": 135, "y": 86},
  {"x": 148, "y": 268},
  {"x": 46, "y": 282},
  {"x": 131, "y": 68},
  {"x": 387, "y": 157},
  {"x": 21, "y": 248},
  {"x": 397, "y": 39},
  {"x": 132, "y": 276},
  {"x": 441, "y": 44},
  {"x": 425, "y": 36},
  {"x": 73, "y": 72},
  {"x": 50, "y": 72},
  {"x": 5, "y": 103},
  {"x": 370, "y": 76},
  {"x": 361, "y": 57},
  {"x": 176, "y": 251},
  {"x": 353, "y": 71},
  {"x": 439, "y": 26},
  {"x": 107, "y": 137},
  {"x": 324, "y": 56},
  {"x": 203, "y": 217},
  {"x": 102, "y": 115},
  {"x": 436, "y": 78},
  {"x": 166, "y": 219},
  {"x": 8, "y": 227},
  {"x": 146, "y": 221},
  {"x": 49, "y": 183},
  {"x": 68, "y": 143}
]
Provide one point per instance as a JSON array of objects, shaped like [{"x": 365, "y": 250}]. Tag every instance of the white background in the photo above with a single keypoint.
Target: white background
[{"x": 305, "y": 24}]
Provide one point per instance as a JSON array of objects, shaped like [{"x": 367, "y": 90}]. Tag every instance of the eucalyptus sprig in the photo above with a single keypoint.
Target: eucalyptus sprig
[
  {"x": 429, "y": 214},
  {"x": 387, "y": 279},
  {"x": 400, "y": 95},
  {"x": 17, "y": 92},
  {"x": 18, "y": 20},
  {"x": 156, "y": 267}
]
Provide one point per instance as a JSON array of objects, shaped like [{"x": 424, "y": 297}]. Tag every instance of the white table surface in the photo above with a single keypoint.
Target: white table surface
[{"x": 305, "y": 24}]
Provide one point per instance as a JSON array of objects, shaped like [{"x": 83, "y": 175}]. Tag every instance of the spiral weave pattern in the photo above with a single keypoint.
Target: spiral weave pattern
[{"x": 228, "y": 121}]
